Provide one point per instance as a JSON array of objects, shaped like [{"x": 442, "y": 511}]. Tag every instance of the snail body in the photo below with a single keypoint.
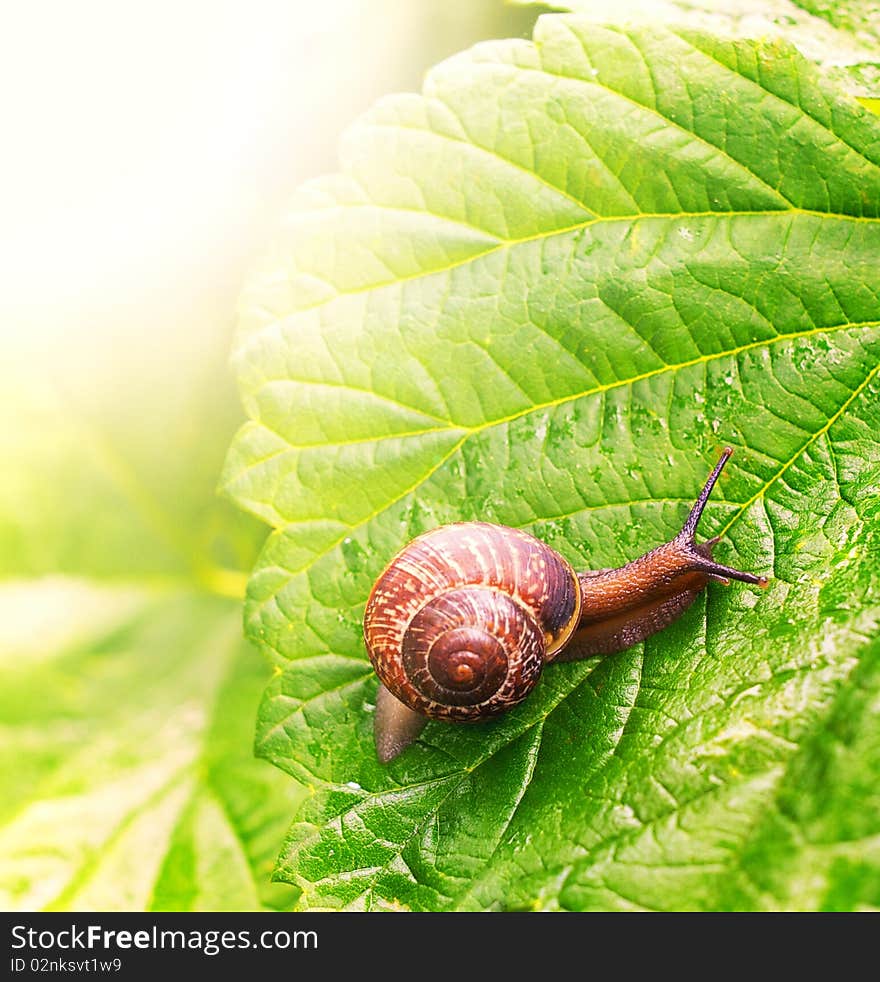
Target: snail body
[{"x": 462, "y": 621}]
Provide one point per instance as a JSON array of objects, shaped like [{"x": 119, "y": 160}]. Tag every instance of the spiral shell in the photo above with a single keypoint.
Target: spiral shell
[{"x": 461, "y": 622}]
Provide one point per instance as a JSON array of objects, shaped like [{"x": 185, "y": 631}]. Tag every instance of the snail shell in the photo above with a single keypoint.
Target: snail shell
[{"x": 462, "y": 621}]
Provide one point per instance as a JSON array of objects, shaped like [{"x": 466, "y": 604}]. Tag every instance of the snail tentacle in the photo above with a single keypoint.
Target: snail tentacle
[{"x": 624, "y": 606}]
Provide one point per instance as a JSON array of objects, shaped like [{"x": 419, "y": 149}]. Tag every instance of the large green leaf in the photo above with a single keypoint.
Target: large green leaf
[
  {"x": 842, "y": 36},
  {"x": 544, "y": 293},
  {"x": 128, "y": 781},
  {"x": 127, "y": 776}
]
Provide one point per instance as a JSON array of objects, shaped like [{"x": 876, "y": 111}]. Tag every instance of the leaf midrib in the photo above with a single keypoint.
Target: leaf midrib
[
  {"x": 859, "y": 389},
  {"x": 249, "y": 341},
  {"x": 804, "y": 110},
  {"x": 574, "y": 397}
]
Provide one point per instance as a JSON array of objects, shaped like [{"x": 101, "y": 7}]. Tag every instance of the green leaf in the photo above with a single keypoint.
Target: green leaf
[
  {"x": 127, "y": 694},
  {"x": 126, "y": 769},
  {"x": 841, "y": 36},
  {"x": 818, "y": 846},
  {"x": 111, "y": 471},
  {"x": 544, "y": 293}
]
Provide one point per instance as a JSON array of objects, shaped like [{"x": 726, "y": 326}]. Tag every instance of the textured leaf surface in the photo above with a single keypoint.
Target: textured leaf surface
[
  {"x": 818, "y": 847},
  {"x": 843, "y": 36},
  {"x": 544, "y": 293},
  {"x": 127, "y": 777}
]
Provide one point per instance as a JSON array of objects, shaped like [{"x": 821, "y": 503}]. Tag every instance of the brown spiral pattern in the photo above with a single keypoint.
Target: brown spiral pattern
[
  {"x": 471, "y": 650},
  {"x": 462, "y": 621}
]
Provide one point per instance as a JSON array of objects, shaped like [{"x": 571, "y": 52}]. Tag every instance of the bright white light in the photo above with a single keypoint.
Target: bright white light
[{"x": 138, "y": 142}]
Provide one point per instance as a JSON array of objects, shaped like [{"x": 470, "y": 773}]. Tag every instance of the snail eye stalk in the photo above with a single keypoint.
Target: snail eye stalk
[{"x": 701, "y": 553}]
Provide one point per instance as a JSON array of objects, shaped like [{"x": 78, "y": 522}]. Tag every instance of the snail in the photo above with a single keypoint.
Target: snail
[{"x": 462, "y": 621}]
